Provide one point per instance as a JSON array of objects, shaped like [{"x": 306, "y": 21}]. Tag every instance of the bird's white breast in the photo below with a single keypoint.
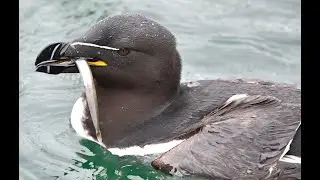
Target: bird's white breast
[{"x": 78, "y": 117}]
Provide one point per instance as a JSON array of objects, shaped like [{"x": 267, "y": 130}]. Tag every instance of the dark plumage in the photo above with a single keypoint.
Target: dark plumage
[{"x": 141, "y": 101}]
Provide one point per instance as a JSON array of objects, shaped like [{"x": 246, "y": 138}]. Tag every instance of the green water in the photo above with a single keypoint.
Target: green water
[{"x": 216, "y": 39}]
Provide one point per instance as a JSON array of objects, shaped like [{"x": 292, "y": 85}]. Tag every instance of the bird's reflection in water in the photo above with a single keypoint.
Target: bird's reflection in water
[{"x": 103, "y": 165}]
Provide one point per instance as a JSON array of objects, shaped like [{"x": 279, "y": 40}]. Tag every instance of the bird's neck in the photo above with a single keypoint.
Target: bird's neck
[{"x": 120, "y": 110}]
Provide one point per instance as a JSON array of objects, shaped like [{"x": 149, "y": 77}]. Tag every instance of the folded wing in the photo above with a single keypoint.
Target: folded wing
[{"x": 243, "y": 139}]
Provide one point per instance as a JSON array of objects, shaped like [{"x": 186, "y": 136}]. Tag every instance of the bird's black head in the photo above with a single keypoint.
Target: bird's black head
[{"x": 122, "y": 51}]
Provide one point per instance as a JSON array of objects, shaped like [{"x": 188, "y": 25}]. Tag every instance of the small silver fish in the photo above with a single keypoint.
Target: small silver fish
[{"x": 91, "y": 95}]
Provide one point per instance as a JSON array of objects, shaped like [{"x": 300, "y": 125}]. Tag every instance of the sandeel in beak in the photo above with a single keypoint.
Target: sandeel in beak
[
  {"x": 83, "y": 66},
  {"x": 91, "y": 95}
]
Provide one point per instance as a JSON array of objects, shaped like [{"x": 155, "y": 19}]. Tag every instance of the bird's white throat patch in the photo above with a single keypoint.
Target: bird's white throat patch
[
  {"x": 78, "y": 118},
  {"x": 77, "y": 123}
]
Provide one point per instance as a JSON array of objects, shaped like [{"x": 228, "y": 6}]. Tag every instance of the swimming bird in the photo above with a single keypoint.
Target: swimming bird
[{"x": 134, "y": 100}]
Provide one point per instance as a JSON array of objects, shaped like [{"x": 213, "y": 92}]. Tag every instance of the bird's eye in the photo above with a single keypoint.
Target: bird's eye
[{"x": 123, "y": 51}]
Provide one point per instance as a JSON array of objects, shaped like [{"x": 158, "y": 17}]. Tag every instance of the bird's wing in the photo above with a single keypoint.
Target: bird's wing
[{"x": 243, "y": 139}]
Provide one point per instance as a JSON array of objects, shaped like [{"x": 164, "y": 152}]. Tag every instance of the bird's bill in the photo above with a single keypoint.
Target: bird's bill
[
  {"x": 51, "y": 60},
  {"x": 62, "y": 65}
]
